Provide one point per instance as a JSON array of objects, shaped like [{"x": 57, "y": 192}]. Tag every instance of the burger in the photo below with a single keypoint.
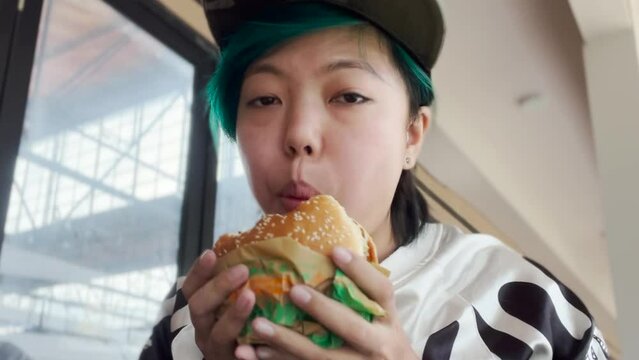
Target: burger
[{"x": 284, "y": 250}]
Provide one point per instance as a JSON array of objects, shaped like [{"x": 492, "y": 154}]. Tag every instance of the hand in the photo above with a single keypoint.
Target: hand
[
  {"x": 381, "y": 339},
  {"x": 205, "y": 293}
]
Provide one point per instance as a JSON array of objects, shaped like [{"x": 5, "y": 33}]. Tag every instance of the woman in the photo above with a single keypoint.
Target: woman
[{"x": 334, "y": 97}]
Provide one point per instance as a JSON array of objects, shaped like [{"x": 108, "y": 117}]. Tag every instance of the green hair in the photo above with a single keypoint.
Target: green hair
[{"x": 256, "y": 38}]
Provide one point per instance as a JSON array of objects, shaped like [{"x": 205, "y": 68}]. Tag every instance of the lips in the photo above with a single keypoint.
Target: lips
[{"x": 296, "y": 192}]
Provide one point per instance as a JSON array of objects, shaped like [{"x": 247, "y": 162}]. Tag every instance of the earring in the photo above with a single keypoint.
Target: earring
[{"x": 407, "y": 161}]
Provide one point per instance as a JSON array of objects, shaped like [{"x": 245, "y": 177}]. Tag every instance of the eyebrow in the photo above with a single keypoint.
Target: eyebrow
[
  {"x": 351, "y": 64},
  {"x": 266, "y": 68}
]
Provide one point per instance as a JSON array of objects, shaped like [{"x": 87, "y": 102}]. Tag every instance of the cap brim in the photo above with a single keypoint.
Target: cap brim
[{"x": 417, "y": 24}]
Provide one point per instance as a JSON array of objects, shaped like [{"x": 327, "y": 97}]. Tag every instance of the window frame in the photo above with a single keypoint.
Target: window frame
[
  {"x": 17, "y": 49},
  {"x": 19, "y": 29}
]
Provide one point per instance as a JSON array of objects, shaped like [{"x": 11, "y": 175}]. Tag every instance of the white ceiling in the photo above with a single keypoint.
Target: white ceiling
[
  {"x": 536, "y": 159},
  {"x": 596, "y": 17}
]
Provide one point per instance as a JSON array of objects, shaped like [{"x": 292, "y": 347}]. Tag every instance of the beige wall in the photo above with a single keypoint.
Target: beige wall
[
  {"x": 634, "y": 8},
  {"x": 611, "y": 56},
  {"x": 612, "y": 68}
]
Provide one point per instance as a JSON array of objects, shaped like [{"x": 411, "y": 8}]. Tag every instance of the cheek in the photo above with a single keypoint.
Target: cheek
[
  {"x": 257, "y": 135},
  {"x": 258, "y": 153},
  {"x": 370, "y": 169},
  {"x": 379, "y": 146}
]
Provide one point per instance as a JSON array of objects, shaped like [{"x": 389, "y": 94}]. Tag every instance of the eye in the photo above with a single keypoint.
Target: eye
[
  {"x": 263, "y": 101},
  {"x": 351, "y": 98}
]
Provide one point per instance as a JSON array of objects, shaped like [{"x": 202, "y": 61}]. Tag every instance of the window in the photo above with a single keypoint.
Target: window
[
  {"x": 236, "y": 208},
  {"x": 93, "y": 234}
]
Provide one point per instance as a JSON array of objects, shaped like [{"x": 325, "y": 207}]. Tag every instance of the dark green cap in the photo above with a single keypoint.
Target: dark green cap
[{"x": 416, "y": 24}]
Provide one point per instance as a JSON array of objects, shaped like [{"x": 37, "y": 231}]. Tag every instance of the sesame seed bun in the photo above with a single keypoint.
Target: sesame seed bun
[{"x": 319, "y": 223}]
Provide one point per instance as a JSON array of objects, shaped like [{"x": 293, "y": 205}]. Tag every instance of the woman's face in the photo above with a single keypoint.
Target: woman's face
[{"x": 326, "y": 113}]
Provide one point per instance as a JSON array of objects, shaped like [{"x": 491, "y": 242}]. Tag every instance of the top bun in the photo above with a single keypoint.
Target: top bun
[{"x": 319, "y": 223}]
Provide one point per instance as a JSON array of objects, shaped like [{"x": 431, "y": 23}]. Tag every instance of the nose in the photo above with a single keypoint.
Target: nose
[
  {"x": 303, "y": 131},
  {"x": 293, "y": 150}
]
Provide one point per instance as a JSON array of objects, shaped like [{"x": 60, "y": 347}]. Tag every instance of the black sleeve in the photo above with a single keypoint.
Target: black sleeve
[
  {"x": 158, "y": 347},
  {"x": 592, "y": 346}
]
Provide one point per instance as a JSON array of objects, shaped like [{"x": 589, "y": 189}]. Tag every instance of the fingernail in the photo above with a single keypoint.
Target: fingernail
[
  {"x": 264, "y": 353},
  {"x": 242, "y": 301},
  {"x": 300, "y": 295},
  {"x": 244, "y": 352},
  {"x": 207, "y": 259},
  {"x": 341, "y": 255},
  {"x": 237, "y": 273},
  {"x": 263, "y": 327},
  {"x": 205, "y": 253}
]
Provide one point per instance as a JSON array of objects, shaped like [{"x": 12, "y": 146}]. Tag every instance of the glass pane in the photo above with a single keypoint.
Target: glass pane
[
  {"x": 235, "y": 206},
  {"x": 91, "y": 236}
]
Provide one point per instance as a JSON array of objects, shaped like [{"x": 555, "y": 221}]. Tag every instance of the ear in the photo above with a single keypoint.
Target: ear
[{"x": 415, "y": 134}]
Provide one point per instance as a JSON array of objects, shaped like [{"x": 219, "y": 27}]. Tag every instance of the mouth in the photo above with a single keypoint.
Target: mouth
[{"x": 295, "y": 193}]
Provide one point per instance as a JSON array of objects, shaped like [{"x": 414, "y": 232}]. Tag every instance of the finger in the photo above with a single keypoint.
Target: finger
[
  {"x": 213, "y": 293},
  {"x": 372, "y": 282},
  {"x": 204, "y": 303},
  {"x": 268, "y": 353},
  {"x": 229, "y": 326},
  {"x": 283, "y": 342},
  {"x": 338, "y": 318},
  {"x": 245, "y": 352},
  {"x": 298, "y": 346},
  {"x": 201, "y": 271}
]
